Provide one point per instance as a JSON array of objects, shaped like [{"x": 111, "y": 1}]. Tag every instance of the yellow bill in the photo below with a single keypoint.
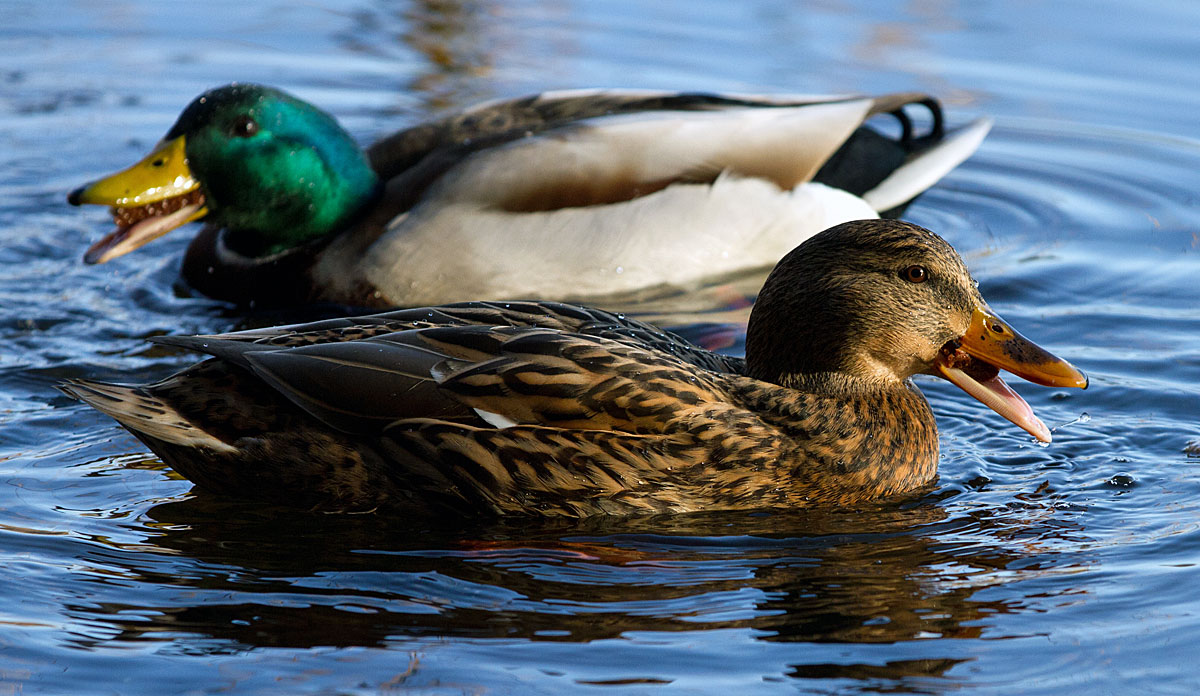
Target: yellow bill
[{"x": 149, "y": 199}]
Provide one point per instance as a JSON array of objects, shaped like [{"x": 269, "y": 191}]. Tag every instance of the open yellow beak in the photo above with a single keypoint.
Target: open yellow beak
[
  {"x": 149, "y": 199},
  {"x": 991, "y": 340}
]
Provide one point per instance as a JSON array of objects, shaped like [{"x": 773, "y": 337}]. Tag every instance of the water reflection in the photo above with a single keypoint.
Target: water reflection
[
  {"x": 454, "y": 41},
  {"x": 240, "y": 576},
  {"x": 451, "y": 35}
]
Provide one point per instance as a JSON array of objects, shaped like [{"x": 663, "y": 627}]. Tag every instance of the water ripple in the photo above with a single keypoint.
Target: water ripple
[{"x": 1029, "y": 568}]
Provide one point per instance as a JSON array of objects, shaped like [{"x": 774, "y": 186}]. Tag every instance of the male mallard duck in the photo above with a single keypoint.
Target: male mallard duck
[
  {"x": 550, "y": 409},
  {"x": 563, "y": 196}
]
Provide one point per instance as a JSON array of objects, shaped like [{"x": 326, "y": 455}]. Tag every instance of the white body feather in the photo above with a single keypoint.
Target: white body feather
[
  {"x": 475, "y": 235},
  {"x": 670, "y": 238}
]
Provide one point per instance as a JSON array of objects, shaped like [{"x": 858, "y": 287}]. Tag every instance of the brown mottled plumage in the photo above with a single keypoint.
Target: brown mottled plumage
[{"x": 550, "y": 409}]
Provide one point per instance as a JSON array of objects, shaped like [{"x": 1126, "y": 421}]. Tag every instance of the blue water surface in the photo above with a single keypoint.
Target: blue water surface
[{"x": 1068, "y": 568}]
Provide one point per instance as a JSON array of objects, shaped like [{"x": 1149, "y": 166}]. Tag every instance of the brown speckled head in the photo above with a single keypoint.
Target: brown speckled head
[{"x": 869, "y": 299}]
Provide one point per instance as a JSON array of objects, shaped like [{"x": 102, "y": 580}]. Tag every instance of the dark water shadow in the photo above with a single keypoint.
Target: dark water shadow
[{"x": 233, "y": 577}]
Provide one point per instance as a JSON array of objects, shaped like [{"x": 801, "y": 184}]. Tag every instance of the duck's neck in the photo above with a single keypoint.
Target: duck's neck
[
  {"x": 292, "y": 221},
  {"x": 838, "y": 384},
  {"x": 265, "y": 258},
  {"x": 212, "y": 269},
  {"x": 864, "y": 438}
]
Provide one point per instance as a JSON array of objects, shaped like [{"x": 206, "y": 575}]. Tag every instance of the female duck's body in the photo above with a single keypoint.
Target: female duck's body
[
  {"x": 582, "y": 195},
  {"x": 550, "y": 409}
]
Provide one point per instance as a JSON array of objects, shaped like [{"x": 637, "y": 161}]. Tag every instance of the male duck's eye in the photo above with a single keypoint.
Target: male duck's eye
[
  {"x": 915, "y": 274},
  {"x": 244, "y": 127}
]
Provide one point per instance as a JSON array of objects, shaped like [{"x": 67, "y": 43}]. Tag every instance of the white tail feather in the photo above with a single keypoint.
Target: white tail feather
[{"x": 909, "y": 180}]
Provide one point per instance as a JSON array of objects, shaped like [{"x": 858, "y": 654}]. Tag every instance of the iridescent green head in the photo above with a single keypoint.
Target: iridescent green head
[{"x": 274, "y": 171}]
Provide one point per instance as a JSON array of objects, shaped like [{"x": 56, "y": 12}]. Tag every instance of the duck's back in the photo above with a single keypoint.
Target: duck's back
[{"x": 587, "y": 196}]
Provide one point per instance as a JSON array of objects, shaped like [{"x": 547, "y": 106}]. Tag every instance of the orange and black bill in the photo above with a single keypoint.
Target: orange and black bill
[{"x": 990, "y": 345}]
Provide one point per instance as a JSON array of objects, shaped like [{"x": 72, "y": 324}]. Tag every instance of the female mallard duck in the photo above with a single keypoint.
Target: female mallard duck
[
  {"x": 563, "y": 196},
  {"x": 550, "y": 409}
]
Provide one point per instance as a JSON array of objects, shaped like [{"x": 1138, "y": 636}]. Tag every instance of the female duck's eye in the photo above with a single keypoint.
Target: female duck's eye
[
  {"x": 915, "y": 274},
  {"x": 244, "y": 127}
]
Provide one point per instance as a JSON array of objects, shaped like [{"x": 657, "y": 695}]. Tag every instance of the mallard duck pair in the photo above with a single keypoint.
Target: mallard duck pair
[
  {"x": 547, "y": 408},
  {"x": 577, "y": 196},
  {"x": 555, "y": 409}
]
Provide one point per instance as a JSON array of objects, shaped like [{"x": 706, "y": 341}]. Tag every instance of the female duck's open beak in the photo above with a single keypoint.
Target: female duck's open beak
[
  {"x": 149, "y": 199},
  {"x": 990, "y": 344}
]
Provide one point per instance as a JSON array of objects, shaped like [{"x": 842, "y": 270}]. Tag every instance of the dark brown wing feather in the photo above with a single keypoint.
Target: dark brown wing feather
[
  {"x": 549, "y": 315},
  {"x": 521, "y": 375},
  {"x": 579, "y": 382}
]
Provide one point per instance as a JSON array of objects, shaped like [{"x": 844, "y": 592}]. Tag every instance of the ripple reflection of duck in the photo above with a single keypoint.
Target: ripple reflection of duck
[
  {"x": 265, "y": 579},
  {"x": 549, "y": 409}
]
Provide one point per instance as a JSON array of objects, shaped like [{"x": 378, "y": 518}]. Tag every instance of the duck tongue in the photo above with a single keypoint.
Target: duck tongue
[{"x": 998, "y": 396}]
